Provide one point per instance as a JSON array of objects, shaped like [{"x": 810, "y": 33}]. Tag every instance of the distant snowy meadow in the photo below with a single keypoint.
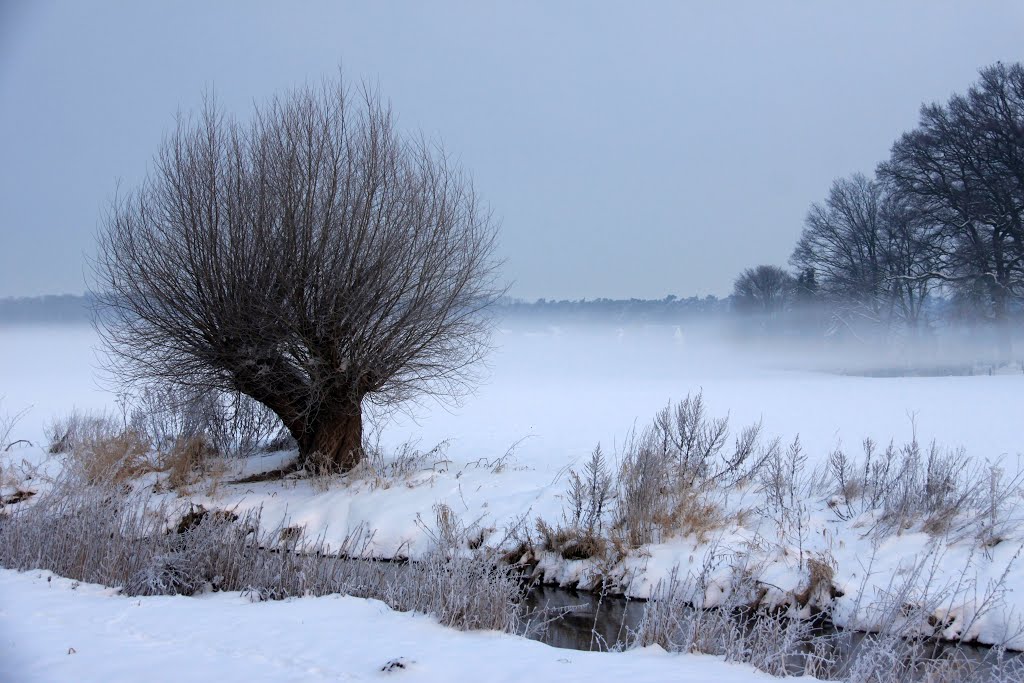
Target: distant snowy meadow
[{"x": 558, "y": 391}]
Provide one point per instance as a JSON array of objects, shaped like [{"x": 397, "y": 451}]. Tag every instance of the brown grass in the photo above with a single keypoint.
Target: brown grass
[
  {"x": 186, "y": 462},
  {"x": 693, "y": 514},
  {"x": 101, "y": 450},
  {"x": 820, "y": 577},
  {"x": 113, "y": 458},
  {"x": 572, "y": 543}
]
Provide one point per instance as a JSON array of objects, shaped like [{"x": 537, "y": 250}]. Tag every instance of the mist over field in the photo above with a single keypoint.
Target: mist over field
[{"x": 556, "y": 390}]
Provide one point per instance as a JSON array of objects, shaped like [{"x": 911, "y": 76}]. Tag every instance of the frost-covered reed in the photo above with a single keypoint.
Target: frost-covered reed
[{"x": 107, "y": 536}]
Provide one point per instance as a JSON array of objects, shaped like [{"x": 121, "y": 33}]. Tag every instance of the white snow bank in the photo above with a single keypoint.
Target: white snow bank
[{"x": 52, "y": 629}]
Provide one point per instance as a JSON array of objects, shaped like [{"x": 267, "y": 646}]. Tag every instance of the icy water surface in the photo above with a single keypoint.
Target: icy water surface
[{"x": 594, "y": 622}]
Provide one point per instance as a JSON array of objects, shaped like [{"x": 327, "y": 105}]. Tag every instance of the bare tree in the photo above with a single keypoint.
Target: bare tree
[
  {"x": 842, "y": 242},
  {"x": 764, "y": 289},
  {"x": 872, "y": 251},
  {"x": 963, "y": 168},
  {"x": 910, "y": 259},
  {"x": 314, "y": 259}
]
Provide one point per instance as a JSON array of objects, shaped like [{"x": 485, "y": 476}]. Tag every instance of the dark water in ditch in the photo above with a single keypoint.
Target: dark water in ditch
[{"x": 586, "y": 621}]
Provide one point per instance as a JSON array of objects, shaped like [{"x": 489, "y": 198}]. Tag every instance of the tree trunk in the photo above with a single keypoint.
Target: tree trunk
[
  {"x": 1004, "y": 335},
  {"x": 1004, "y": 340},
  {"x": 334, "y": 439}
]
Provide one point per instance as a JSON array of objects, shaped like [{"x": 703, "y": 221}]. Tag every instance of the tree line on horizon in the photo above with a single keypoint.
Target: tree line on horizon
[{"x": 942, "y": 219}]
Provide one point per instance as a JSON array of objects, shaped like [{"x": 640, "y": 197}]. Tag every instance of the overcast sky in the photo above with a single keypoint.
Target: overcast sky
[{"x": 630, "y": 149}]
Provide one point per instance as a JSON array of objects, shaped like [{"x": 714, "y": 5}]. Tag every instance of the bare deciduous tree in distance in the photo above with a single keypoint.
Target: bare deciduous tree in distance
[
  {"x": 872, "y": 252},
  {"x": 962, "y": 168},
  {"x": 842, "y": 241},
  {"x": 764, "y": 289},
  {"x": 314, "y": 259}
]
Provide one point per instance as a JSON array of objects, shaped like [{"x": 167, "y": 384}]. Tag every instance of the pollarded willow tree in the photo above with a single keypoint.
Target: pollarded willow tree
[{"x": 314, "y": 259}]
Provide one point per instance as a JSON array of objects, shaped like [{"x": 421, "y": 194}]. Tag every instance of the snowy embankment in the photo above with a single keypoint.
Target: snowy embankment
[{"x": 975, "y": 591}]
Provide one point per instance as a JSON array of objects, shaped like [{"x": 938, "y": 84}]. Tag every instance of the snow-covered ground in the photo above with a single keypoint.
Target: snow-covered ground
[
  {"x": 53, "y": 629},
  {"x": 550, "y": 396},
  {"x": 565, "y": 389}
]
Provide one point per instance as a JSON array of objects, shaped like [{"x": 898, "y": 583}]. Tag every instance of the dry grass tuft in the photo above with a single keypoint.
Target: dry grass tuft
[
  {"x": 186, "y": 462},
  {"x": 820, "y": 587},
  {"x": 695, "y": 514},
  {"x": 571, "y": 543},
  {"x": 115, "y": 458},
  {"x": 99, "y": 450}
]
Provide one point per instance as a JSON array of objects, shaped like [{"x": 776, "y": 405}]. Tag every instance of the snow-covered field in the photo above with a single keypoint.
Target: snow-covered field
[
  {"x": 559, "y": 391},
  {"x": 550, "y": 396}
]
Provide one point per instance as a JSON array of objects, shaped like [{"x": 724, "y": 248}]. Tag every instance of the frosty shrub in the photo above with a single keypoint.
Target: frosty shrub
[
  {"x": 944, "y": 493},
  {"x": 99, "y": 449},
  {"x": 581, "y": 534},
  {"x": 590, "y": 495},
  {"x": 667, "y": 472},
  {"x": 465, "y": 588},
  {"x": 670, "y": 479},
  {"x": 100, "y": 534},
  {"x": 232, "y": 425},
  {"x": 678, "y": 619},
  {"x": 7, "y": 424}
]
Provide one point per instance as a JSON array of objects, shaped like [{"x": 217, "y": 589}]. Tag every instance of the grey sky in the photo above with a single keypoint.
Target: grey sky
[{"x": 630, "y": 149}]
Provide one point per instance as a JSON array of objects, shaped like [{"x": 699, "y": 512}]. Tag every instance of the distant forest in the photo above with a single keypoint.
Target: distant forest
[
  {"x": 77, "y": 309},
  {"x": 46, "y": 310},
  {"x": 72, "y": 309},
  {"x": 805, "y": 323}
]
